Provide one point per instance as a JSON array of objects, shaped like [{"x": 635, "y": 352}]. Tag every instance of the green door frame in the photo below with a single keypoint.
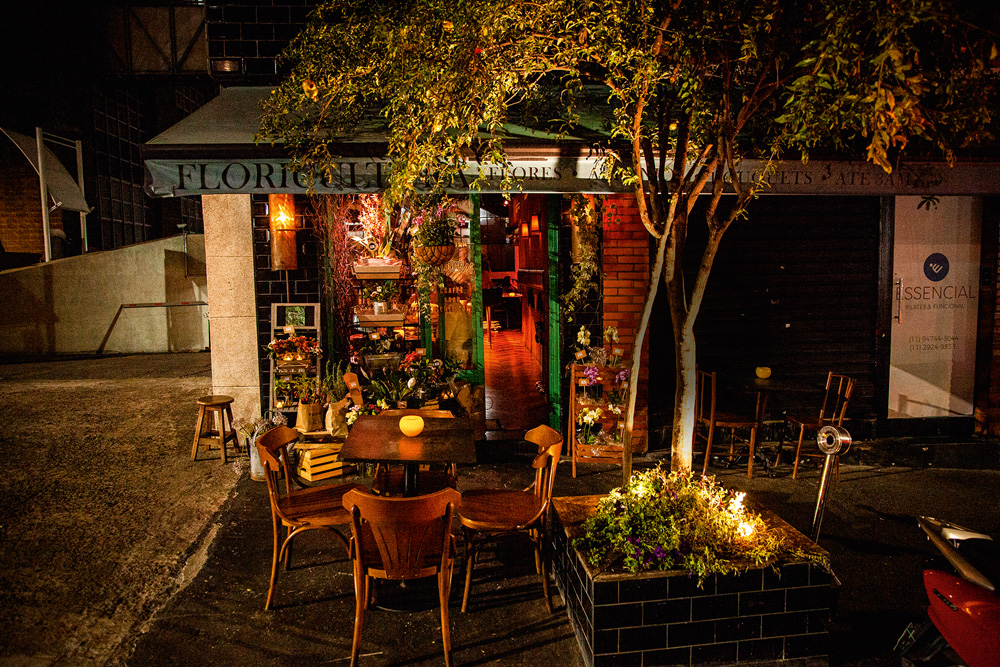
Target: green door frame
[{"x": 553, "y": 207}]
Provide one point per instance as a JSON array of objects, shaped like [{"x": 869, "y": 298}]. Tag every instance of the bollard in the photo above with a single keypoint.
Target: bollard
[{"x": 832, "y": 441}]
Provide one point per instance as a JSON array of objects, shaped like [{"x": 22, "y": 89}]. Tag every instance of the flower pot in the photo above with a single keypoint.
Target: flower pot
[
  {"x": 434, "y": 255},
  {"x": 310, "y": 417},
  {"x": 379, "y": 307},
  {"x": 336, "y": 418}
]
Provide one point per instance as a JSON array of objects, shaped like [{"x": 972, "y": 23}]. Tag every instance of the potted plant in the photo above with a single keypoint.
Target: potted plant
[
  {"x": 335, "y": 391},
  {"x": 381, "y": 295},
  {"x": 375, "y": 251},
  {"x": 294, "y": 350},
  {"x": 253, "y": 429},
  {"x": 303, "y": 390}
]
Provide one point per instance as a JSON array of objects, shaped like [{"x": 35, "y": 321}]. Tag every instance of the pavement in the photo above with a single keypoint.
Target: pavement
[{"x": 119, "y": 550}]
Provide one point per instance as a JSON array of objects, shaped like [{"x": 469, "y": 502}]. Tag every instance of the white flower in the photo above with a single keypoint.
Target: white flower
[
  {"x": 583, "y": 337},
  {"x": 611, "y": 334},
  {"x": 411, "y": 383}
]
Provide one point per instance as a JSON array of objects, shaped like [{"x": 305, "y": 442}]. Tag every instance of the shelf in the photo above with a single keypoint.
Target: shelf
[
  {"x": 377, "y": 271},
  {"x": 384, "y": 320}
]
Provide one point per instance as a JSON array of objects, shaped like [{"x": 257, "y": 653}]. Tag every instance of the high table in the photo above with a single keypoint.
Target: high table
[{"x": 375, "y": 439}]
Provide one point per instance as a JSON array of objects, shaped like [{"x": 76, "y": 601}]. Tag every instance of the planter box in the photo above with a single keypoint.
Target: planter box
[
  {"x": 384, "y": 320},
  {"x": 663, "y": 618}
]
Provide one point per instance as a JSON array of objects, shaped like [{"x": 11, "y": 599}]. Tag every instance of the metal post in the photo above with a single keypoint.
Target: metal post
[
  {"x": 831, "y": 440},
  {"x": 84, "y": 245},
  {"x": 46, "y": 238}
]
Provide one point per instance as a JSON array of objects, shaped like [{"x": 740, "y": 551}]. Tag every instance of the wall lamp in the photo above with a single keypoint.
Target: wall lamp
[
  {"x": 534, "y": 224},
  {"x": 524, "y": 230},
  {"x": 281, "y": 211}
]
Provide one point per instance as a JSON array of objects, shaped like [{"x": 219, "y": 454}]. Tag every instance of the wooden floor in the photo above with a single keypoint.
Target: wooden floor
[{"x": 513, "y": 401}]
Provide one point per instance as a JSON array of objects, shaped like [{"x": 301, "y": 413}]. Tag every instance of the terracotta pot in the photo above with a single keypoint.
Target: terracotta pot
[{"x": 434, "y": 255}]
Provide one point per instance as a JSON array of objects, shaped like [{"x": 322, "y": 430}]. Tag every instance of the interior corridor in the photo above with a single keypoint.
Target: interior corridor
[{"x": 513, "y": 402}]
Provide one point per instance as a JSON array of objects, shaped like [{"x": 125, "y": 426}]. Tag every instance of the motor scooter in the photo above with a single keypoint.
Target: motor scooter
[{"x": 964, "y": 606}]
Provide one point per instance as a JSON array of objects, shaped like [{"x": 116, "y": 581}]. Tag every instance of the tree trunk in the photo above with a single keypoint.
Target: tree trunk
[
  {"x": 682, "y": 443},
  {"x": 640, "y": 335}
]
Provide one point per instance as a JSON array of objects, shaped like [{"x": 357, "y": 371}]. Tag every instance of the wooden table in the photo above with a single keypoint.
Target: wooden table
[{"x": 379, "y": 440}]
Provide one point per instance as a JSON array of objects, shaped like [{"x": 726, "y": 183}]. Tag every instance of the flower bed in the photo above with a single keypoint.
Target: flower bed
[{"x": 760, "y": 614}]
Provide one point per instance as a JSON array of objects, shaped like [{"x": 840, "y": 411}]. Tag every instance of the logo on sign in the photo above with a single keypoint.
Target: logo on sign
[{"x": 936, "y": 267}]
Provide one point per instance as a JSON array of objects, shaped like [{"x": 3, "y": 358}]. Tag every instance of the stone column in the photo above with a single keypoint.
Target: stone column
[{"x": 232, "y": 309}]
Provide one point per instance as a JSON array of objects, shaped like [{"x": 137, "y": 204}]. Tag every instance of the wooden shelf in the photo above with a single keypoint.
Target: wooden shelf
[
  {"x": 377, "y": 271},
  {"x": 384, "y": 320}
]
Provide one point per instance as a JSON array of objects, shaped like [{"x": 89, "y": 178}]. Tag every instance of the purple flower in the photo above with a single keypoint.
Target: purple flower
[
  {"x": 592, "y": 373},
  {"x": 622, "y": 376},
  {"x": 660, "y": 553}
]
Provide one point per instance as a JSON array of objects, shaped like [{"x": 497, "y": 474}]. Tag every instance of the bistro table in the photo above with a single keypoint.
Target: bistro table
[
  {"x": 375, "y": 439},
  {"x": 764, "y": 388}
]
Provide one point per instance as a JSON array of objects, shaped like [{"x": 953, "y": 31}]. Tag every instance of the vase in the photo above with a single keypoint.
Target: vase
[
  {"x": 434, "y": 255},
  {"x": 309, "y": 417}
]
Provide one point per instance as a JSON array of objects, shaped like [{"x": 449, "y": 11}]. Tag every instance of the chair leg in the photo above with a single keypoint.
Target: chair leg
[
  {"x": 444, "y": 592},
  {"x": 360, "y": 603},
  {"x": 798, "y": 451},
  {"x": 274, "y": 565},
  {"x": 753, "y": 444},
  {"x": 471, "y": 552},
  {"x": 197, "y": 431},
  {"x": 708, "y": 449},
  {"x": 545, "y": 572},
  {"x": 231, "y": 433},
  {"x": 535, "y": 537}
]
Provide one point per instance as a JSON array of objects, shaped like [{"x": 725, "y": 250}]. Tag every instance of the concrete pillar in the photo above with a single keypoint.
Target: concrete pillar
[{"x": 232, "y": 300}]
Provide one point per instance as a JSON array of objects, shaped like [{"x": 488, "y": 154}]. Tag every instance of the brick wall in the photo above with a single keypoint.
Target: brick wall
[
  {"x": 625, "y": 256},
  {"x": 20, "y": 205}
]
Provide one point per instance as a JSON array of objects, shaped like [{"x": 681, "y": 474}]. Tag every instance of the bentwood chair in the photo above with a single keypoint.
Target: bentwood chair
[
  {"x": 400, "y": 539},
  {"x": 831, "y": 413},
  {"x": 708, "y": 415},
  {"x": 390, "y": 482},
  {"x": 296, "y": 510},
  {"x": 494, "y": 511}
]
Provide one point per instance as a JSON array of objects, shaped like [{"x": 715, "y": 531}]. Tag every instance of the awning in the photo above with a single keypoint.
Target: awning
[
  {"x": 212, "y": 152},
  {"x": 62, "y": 187}
]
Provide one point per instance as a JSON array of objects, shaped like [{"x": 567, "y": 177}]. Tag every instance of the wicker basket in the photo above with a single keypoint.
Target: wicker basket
[{"x": 434, "y": 255}]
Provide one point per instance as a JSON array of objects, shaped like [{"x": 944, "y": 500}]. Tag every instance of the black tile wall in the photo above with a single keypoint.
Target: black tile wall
[
  {"x": 253, "y": 33},
  {"x": 299, "y": 286},
  {"x": 757, "y": 616}
]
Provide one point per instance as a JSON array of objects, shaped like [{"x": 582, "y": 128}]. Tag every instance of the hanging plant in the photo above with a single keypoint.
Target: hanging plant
[
  {"x": 584, "y": 273},
  {"x": 433, "y": 226}
]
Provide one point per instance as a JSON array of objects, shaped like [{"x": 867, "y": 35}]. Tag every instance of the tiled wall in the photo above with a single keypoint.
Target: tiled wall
[
  {"x": 252, "y": 33},
  {"x": 668, "y": 620},
  {"x": 299, "y": 286}
]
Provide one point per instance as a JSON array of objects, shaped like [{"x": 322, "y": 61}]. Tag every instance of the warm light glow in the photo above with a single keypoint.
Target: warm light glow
[
  {"x": 281, "y": 212},
  {"x": 534, "y": 224},
  {"x": 745, "y": 529},
  {"x": 524, "y": 230},
  {"x": 411, "y": 425}
]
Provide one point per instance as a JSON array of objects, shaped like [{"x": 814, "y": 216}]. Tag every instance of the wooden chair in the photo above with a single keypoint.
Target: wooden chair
[
  {"x": 390, "y": 482},
  {"x": 496, "y": 511},
  {"x": 400, "y": 539},
  {"x": 707, "y": 414},
  {"x": 831, "y": 413},
  {"x": 211, "y": 429},
  {"x": 297, "y": 510}
]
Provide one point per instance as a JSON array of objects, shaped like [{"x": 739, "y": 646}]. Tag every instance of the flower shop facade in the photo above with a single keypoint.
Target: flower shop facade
[{"x": 833, "y": 270}]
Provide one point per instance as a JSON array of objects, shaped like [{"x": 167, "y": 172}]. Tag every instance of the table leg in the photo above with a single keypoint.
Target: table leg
[{"x": 410, "y": 479}]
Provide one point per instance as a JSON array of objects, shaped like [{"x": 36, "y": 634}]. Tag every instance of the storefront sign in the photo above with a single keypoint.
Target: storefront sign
[
  {"x": 175, "y": 178},
  {"x": 936, "y": 267}
]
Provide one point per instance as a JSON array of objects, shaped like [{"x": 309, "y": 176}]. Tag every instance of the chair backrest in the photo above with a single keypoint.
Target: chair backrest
[
  {"x": 838, "y": 392},
  {"x": 705, "y": 396},
  {"x": 413, "y": 535},
  {"x": 401, "y": 412},
  {"x": 271, "y": 447},
  {"x": 550, "y": 444}
]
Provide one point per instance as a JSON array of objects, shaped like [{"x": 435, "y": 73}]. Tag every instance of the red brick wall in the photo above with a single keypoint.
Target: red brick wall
[
  {"x": 626, "y": 278},
  {"x": 20, "y": 205}
]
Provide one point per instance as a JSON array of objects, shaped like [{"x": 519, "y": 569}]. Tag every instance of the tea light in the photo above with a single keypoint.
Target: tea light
[
  {"x": 411, "y": 425},
  {"x": 763, "y": 372}
]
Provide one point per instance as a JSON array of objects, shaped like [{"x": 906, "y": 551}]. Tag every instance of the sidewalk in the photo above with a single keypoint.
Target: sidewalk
[
  {"x": 876, "y": 547},
  {"x": 118, "y": 549}
]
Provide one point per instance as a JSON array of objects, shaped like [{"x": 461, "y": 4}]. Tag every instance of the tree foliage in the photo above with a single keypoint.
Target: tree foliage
[{"x": 674, "y": 92}]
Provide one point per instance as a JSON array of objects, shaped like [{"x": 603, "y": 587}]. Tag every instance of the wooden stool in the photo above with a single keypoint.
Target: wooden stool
[{"x": 215, "y": 431}]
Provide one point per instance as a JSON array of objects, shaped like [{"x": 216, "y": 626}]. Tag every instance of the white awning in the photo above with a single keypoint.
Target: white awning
[{"x": 63, "y": 188}]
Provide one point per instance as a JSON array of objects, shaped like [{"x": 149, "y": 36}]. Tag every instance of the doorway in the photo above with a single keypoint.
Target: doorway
[{"x": 515, "y": 305}]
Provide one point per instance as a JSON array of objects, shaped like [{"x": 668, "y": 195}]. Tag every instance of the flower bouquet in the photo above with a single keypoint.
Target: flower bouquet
[{"x": 294, "y": 349}]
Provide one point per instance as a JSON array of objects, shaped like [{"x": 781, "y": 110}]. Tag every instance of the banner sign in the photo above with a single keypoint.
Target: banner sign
[{"x": 179, "y": 177}]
